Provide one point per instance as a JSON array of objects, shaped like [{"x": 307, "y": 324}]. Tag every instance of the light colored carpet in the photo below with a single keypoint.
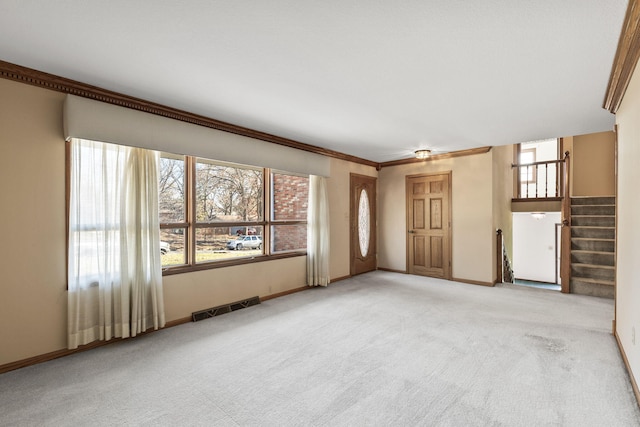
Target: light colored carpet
[{"x": 379, "y": 349}]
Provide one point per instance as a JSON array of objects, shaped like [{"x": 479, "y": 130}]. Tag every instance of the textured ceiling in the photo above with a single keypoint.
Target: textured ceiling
[{"x": 375, "y": 79}]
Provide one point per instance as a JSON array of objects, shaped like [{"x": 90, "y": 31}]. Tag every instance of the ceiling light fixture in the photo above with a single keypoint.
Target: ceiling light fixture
[
  {"x": 538, "y": 215},
  {"x": 422, "y": 154}
]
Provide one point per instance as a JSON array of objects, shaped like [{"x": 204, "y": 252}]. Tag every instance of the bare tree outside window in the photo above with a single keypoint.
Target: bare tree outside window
[
  {"x": 171, "y": 190},
  {"x": 230, "y": 195},
  {"x": 225, "y": 193},
  {"x": 172, "y": 209}
]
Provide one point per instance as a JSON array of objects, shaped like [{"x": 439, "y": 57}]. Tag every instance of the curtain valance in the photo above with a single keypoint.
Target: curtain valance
[{"x": 98, "y": 121}]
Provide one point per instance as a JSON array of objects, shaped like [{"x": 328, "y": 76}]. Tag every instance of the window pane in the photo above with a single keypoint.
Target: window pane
[
  {"x": 227, "y": 193},
  {"x": 172, "y": 247},
  {"x": 218, "y": 243},
  {"x": 95, "y": 253},
  {"x": 527, "y": 156},
  {"x": 290, "y": 196},
  {"x": 527, "y": 173},
  {"x": 289, "y": 237},
  {"x": 94, "y": 213},
  {"x": 363, "y": 222},
  {"x": 171, "y": 189}
]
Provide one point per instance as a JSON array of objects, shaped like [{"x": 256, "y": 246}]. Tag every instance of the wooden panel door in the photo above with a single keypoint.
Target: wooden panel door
[
  {"x": 429, "y": 225},
  {"x": 363, "y": 224}
]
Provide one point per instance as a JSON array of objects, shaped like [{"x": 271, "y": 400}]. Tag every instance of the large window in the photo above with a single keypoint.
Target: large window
[{"x": 214, "y": 213}]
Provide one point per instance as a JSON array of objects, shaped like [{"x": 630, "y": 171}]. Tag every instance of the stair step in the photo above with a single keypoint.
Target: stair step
[
  {"x": 602, "y": 282},
  {"x": 593, "y": 232},
  {"x": 593, "y": 210},
  {"x": 598, "y": 245},
  {"x": 593, "y": 220},
  {"x": 593, "y": 201},
  {"x": 593, "y": 246},
  {"x": 591, "y": 271},
  {"x": 592, "y": 257},
  {"x": 593, "y": 287}
]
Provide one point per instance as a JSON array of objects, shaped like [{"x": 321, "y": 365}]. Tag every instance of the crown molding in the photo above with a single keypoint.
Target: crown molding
[
  {"x": 60, "y": 84},
  {"x": 626, "y": 58},
  {"x": 450, "y": 155}
]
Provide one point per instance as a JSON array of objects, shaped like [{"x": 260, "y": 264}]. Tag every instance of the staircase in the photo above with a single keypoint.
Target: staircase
[{"x": 593, "y": 232}]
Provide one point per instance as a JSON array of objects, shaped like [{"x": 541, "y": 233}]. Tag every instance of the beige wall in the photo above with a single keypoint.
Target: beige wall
[
  {"x": 189, "y": 292},
  {"x": 338, "y": 187},
  {"x": 502, "y": 193},
  {"x": 628, "y": 232},
  {"x": 473, "y": 238},
  {"x": 537, "y": 206},
  {"x": 593, "y": 164},
  {"x": 33, "y": 297}
]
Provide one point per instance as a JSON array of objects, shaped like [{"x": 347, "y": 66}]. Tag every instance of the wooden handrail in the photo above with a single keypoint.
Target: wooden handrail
[
  {"x": 566, "y": 202},
  {"x": 542, "y": 162},
  {"x": 565, "y": 239}
]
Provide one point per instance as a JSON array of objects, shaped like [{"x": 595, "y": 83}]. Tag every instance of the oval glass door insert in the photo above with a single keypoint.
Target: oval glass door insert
[{"x": 363, "y": 222}]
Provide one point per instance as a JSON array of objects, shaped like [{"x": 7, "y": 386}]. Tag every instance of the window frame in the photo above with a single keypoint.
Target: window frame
[
  {"x": 184, "y": 225},
  {"x": 530, "y": 175},
  {"x": 191, "y": 225}
]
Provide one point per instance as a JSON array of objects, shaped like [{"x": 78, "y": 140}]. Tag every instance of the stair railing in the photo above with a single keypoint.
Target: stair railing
[
  {"x": 565, "y": 237},
  {"x": 503, "y": 267},
  {"x": 537, "y": 177}
]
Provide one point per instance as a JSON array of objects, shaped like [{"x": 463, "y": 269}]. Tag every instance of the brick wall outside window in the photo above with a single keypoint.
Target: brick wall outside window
[{"x": 290, "y": 203}]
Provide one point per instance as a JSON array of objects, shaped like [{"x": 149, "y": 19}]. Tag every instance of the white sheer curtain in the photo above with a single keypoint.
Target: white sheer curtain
[
  {"x": 318, "y": 233},
  {"x": 115, "y": 276}
]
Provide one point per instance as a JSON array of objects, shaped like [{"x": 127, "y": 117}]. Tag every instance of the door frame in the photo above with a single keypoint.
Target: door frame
[{"x": 448, "y": 269}]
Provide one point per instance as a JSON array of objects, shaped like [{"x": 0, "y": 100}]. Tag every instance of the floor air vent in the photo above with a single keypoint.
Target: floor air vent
[{"x": 222, "y": 309}]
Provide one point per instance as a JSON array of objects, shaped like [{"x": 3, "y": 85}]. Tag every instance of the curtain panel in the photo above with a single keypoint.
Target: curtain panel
[
  {"x": 318, "y": 232},
  {"x": 115, "y": 276}
]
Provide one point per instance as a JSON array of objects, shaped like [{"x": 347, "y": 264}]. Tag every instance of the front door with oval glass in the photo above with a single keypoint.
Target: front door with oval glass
[
  {"x": 429, "y": 225},
  {"x": 363, "y": 223}
]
